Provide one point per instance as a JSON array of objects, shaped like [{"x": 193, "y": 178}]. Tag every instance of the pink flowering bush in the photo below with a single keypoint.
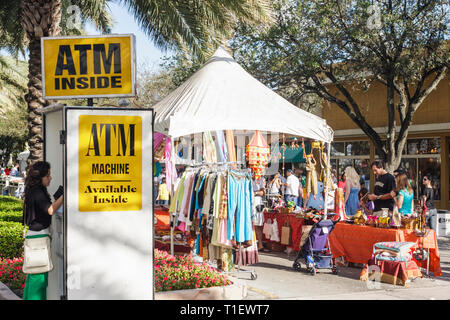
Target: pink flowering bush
[
  {"x": 171, "y": 273},
  {"x": 11, "y": 273},
  {"x": 176, "y": 273}
]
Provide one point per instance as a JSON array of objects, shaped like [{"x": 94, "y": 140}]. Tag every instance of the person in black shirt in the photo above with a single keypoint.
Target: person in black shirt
[
  {"x": 38, "y": 207},
  {"x": 37, "y": 213},
  {"x": 428, "y": 195},
  {"x": 384, "y": 185}
]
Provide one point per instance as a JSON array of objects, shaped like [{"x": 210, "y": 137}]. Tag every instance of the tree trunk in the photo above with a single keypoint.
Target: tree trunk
[{"x": 40, "y": 18}]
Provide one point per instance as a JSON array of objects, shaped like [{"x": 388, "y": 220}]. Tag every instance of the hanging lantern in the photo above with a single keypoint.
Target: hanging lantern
[{"x": 258, "y": 153}]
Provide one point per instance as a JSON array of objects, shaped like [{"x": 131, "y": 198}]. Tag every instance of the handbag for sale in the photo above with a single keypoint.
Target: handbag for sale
[
  {"x": 305, "y": 233},
  {"x": 37, "y": 254},
  {"x": 286, "y": 232}
]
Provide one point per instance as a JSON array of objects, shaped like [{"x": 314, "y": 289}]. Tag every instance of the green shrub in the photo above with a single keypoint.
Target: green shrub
[
  {"x": 11, "y": 209},
  {"x": 11, "y": 239}
]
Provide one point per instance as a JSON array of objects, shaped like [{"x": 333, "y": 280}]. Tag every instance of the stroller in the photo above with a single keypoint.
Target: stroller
[{"x": 313, "y": 253}]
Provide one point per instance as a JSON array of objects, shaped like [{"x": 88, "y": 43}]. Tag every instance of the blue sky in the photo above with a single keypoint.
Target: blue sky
[{"x": 146, "y": 52}]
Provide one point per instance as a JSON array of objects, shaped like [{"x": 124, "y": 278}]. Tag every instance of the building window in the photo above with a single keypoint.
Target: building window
[
  {"x": 420, "y": 157},
  {"x": 431, "y": 166},
  {"x": 423, "y": 146},
  {"x": 352, "y": 153}
]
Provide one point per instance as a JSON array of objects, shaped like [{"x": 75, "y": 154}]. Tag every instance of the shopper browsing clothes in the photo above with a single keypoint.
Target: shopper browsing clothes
[
  {"x": 275, "y": 184},
  {"x": 352, "y": 188},
  {"x": 428, "y": 196},
  {"x": 405, "y": 195},
  {"x": 341, "y": 182},
  {"x": 163, "y": 193},
  {"x": 292, "y": 185},
  {"x": 384, "y": 185},
  {"x": 38, "y": 209},
  {"x": 258, "y": 209}
]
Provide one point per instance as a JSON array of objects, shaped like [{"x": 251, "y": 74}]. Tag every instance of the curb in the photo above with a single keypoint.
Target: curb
[
  {"x": 6, "y": 293},
  {"x": 236, "y": 291}
]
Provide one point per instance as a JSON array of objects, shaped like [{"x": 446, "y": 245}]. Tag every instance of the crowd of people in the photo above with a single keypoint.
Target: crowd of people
[
  {"x": 12, "y": 171},
  {"x": 389, "y": 190}
]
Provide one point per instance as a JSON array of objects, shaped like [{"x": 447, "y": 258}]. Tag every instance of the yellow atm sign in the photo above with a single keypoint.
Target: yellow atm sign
[
  {"x": 88, "y": 67},
  {"x": 110, "y": 163}
]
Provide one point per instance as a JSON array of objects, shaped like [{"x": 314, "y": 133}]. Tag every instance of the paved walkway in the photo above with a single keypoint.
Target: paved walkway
[{"x": 276, "y": 279}]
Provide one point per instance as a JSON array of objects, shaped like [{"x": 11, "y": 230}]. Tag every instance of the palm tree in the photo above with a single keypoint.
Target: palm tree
[{"x": 195, "y": 26}]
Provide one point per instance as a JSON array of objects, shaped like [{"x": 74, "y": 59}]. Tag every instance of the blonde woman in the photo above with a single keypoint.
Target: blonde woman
[
  {"x": 352, "y": 187},
  {"x": 405, "y": 200}
]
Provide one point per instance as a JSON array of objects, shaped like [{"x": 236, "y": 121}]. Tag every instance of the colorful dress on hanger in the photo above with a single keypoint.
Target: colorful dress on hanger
[
  {"x": 240, "y": 199},
  {"x": 352, "y": 202}
]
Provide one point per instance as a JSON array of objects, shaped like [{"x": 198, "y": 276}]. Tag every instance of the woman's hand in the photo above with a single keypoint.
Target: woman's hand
[{"x": 55, "y": 205}]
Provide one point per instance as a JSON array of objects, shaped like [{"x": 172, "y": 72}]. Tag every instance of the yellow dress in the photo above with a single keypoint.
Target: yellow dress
[{"x": 311, "y": 176}]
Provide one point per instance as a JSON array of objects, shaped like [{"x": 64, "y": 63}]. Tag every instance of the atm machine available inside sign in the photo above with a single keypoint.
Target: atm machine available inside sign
[
  {"x": 87, "y": 67},
  {"x": 110, "y": 163}
]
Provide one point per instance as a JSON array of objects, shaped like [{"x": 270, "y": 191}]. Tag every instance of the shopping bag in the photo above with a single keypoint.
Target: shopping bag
[
  {"x": 286, "y": 233},
  {"x": 267, "y": 228},
  {"x": 275, "y": 236},
  {"x": 305, "y": 234},
  {"x": 37, "y": 257}
]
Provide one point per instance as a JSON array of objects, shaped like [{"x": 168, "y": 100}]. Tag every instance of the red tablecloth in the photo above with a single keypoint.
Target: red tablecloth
[
  {"x": 295, "y": 223},
  {"x": 355, "y": 243},
  {"x": 163, "y": 219},
  {"x": 392, "y": 272}
]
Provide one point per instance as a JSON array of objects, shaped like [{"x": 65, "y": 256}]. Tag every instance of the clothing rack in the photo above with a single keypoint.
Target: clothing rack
[
  {"x": 239, "y": 269},
  {"x": 217, "y": 167}
]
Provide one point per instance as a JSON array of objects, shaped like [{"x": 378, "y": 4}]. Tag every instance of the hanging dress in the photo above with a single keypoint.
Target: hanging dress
[{"x": 352, "y": 202}]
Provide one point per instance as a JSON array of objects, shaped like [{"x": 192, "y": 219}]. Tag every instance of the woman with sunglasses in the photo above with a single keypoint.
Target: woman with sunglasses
[{"x": 428, "y": 195}]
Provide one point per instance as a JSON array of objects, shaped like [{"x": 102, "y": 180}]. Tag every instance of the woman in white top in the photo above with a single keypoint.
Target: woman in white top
[{"x": 275, "y": 184}]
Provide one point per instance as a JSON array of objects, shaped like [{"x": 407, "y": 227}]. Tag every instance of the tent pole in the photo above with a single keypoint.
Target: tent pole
[
  {"x": 327, "y": 182},
  {"x": 172, "y": 193}
]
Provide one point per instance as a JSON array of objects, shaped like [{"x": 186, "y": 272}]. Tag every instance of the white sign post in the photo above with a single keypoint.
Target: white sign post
[{"x": 107, "y": 223}]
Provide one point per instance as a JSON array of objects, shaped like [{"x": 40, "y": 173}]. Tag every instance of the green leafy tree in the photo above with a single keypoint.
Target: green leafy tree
[
  {"x": 330, "y": 49},
  {"x": 196, "y": 26},
  {"x": 13, "y": 133},
  {"x": 13, "y": 121}
]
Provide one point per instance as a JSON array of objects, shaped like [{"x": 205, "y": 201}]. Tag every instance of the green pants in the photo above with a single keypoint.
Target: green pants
[{"x": 36, "y": 286}]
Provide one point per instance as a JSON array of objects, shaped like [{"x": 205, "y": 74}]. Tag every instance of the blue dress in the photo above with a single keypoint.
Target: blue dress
[
  {"x": 317, "y": 203},
  {"x": 352, "y": 202}
]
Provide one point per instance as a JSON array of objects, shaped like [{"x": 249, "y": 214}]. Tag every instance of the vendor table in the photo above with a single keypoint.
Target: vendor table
[
  {"x": 355, "y": 243},
  {"x": 162, "y": 227},
  {"x": 162, "y": 219},
  {"x": 295, "y": 223},
  {"x": 393, "y": 272}
]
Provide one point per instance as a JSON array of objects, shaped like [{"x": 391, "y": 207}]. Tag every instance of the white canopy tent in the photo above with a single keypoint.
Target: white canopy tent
[{"x": 223, "y": 96}]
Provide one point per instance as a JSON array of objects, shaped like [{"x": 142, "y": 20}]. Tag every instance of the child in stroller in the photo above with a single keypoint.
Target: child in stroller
[{"x": 313, "y": 253}]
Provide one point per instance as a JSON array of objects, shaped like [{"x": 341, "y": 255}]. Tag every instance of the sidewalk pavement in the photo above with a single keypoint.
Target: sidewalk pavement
[{"x": 277, "y": 280}]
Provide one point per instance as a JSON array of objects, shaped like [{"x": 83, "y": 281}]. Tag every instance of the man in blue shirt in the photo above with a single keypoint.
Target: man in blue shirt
[{"x": 15, "y": 171}]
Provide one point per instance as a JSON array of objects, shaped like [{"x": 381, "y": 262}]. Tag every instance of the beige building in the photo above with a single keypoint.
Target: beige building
[{"x": 427, "y": 148}]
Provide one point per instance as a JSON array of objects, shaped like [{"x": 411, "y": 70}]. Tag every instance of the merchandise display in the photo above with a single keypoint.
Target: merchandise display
[
  {"x": 355, "y": 243},
  {"x": 213, "y": 206},
  {"x": 258, "y": 152},
  {"x": 393, "y": 262}
]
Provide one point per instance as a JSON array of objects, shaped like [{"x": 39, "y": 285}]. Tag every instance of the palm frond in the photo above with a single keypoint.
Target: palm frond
[{"x": 195, "y": 25}]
